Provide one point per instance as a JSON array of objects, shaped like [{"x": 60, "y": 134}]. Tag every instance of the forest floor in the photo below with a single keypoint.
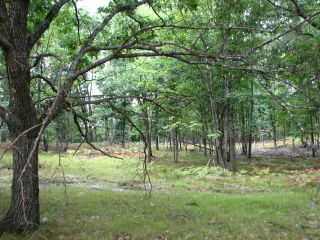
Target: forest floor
[{"x": 89, "y": 196}]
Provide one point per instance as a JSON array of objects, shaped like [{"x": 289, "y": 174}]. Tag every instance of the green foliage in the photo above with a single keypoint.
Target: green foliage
[
  {"x": 202, "y": 172},
  {"x": 261, "y": 171}
]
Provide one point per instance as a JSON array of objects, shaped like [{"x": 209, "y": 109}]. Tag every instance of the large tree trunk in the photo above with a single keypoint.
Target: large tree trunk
[{"x": 23, "y": 213}]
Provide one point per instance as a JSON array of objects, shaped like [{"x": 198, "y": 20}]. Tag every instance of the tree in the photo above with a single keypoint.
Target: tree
[
  {"x": 20, "y": 31},
  {"x": 24, "y": 26}
]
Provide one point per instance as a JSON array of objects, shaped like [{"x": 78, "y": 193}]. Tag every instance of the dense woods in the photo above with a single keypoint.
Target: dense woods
[{"x": 195, "y": 77}]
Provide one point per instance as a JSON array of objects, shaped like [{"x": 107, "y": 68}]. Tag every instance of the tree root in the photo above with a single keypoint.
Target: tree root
[{"x": 7, "y": 226}]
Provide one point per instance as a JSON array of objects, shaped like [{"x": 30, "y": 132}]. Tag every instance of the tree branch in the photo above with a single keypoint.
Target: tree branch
[
  {"x": 46, "y": 80},
  {"x": 77, "y": 18},
  {"x": 153, "y": 47},
  {"x": 40, "y": 56},
  {"x": 107, "y": 99},
  {"x": 95, "y": 64},
  {"x": 278, "y": 6},
  {"x": 17, "y": 138},
  {"x": 97, "y": 30},
  {"x": 145, "y": 169},
  {"x": 158, "y": 15},
  {"x": 302, "y": 15},
  {"x": 128, "y": 118},
  {"x": 278, "y": 101},
  {"x": 32, "y": 39},
  {"x": 59, "y": 71},
  {"x": 85, "y": 135},
  {"x": 282, "y": 34},
  {"x": 63, "y": 91}
]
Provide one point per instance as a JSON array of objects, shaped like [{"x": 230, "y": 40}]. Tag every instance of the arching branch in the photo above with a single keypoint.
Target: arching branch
[
  {"x": 46, "y": 80},
  {"x": 46, "y": 23},
  {"x": 40, "y": 56},
  {"x": 279, "y": 36},
  {"x": 76, "y": 116},
  {"x": 97, "y": 30}
]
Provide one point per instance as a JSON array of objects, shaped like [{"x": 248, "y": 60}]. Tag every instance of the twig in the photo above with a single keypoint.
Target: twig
[
  {"x": 146, "y": 175},
  {"x": 17, "y": 138}
]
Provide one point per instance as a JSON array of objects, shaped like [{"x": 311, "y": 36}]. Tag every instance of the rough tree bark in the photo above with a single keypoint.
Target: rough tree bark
[{"x": 23, "y": 213}]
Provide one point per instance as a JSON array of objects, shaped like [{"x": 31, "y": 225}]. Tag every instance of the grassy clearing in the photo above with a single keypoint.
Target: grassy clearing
[{"x": 105, "y": 198}]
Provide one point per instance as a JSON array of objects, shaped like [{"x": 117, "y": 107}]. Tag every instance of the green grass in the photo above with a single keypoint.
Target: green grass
[
  {"x": 95, "y": 214},
  {"x": 105, "y": 199}
]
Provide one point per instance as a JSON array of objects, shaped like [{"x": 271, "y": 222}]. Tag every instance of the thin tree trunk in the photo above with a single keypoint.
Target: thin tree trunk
[
  {"x": 176, "y": 144},
  {"x": 273, "y": 128},
  {"x": 157, "y": 142},
  {"x": 251, "y": 122},
  {"x": 147, "y": 127},
  {"x": 232, "y": 150},
  {"x": 186, "y": 148},
  {"x": 123, "y": 134},
  {"x": 45, "y": 141},
  {"x": 3, "y": 137},
  {"x": 244, "y": 146},
  {"x": 204, "y": 140},
  {"x": 106, "y": 130},
  {"x": 313, "y": 148},
  {"x": 284, "y": 141}
]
